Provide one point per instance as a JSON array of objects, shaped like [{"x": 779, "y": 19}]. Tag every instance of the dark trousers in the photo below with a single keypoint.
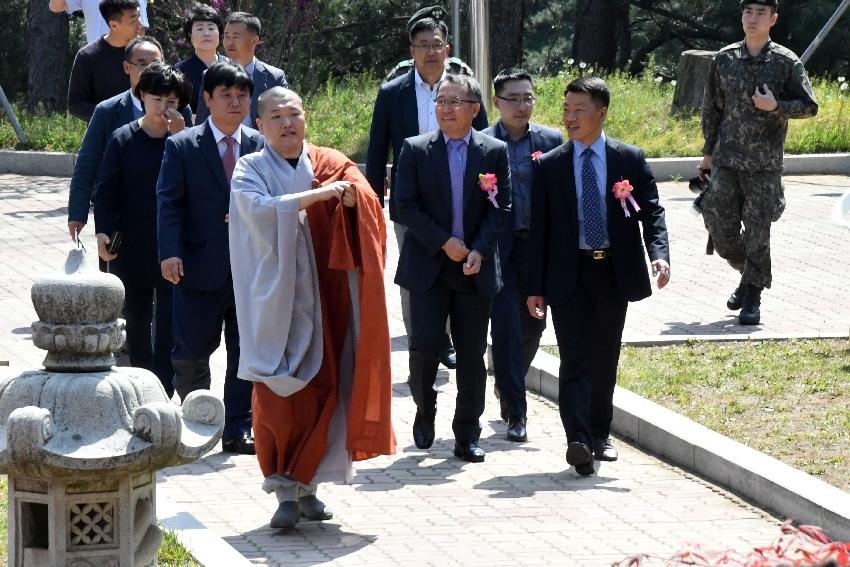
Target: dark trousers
[
  {"x": 150, "y": 347},
  {"x": 514, "y": 332},
  {"x": 453, "y": 295},
  {"x": 198, "y": 319},
  {"x": 589, "y": 329}
]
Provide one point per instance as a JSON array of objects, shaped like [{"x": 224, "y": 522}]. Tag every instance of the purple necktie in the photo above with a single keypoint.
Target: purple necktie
[
  {"x": 457, "y": 168},
  {"x": 228, "y": 160}
]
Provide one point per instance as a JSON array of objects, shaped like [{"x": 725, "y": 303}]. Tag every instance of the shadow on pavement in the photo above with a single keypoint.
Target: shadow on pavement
[
  {"x": 312, "y": 543},
  {"x": 526, "y": 485},
  {"x": 409, "y": 471},
  {"x": 729, "y": 325}
]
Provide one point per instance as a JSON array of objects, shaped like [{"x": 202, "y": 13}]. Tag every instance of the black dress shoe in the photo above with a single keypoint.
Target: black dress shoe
[
  {"x": 423, "y": 432},
  {"x": 580, "y": 456},
  {"x": 469, "y": 451},
  {"x": 603, "y": 450},
  {"x": 243, "y": 445},
  {"x": 448, "y": 357},
  {"x": 516, "y": 430}
]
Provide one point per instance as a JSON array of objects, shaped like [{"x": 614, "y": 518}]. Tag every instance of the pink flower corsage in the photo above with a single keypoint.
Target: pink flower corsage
[
  {"x": 489, "y": 184},
  {"x": 536, "y": 155},
  {"x": 623, "y": 191}
]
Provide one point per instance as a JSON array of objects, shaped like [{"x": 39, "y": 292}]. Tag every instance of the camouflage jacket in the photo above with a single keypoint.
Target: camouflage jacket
[
  {"x": 453, "y": 65},
  {"x": 737, "y": 134}
]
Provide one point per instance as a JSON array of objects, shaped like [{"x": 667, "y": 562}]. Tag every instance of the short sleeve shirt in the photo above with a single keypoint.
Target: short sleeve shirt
[{"x": 96, "y": 26}]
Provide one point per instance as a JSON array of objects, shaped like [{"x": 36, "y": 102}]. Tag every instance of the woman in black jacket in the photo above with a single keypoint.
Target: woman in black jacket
[{"x": 125, "y": 216}]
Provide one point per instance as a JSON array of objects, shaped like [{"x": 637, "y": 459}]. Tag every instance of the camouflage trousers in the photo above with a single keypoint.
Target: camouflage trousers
[{"x": 738, "y": 210}]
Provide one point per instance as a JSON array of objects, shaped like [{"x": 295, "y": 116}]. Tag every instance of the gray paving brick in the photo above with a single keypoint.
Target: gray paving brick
[{"x": 523, "y": 505}]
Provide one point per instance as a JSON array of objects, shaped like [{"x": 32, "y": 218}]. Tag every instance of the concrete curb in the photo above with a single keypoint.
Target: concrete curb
[
  {"x": 765, "y": 481},
  {"x": 58, "y": 164},
  {"x": 655, "y": 340},
  {"x": 205, "y": 546},
  {"x": 809, "y": 164},
  {"x": 54, "y": 164}
]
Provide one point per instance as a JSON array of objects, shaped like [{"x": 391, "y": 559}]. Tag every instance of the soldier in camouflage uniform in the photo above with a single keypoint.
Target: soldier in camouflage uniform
[
  {"x": 753, "y": 87},
  {"x": 453, "y": 64}
]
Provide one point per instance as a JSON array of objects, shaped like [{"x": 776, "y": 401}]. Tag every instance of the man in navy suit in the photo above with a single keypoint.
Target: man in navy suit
[
  {"x": 193, "y": 192},
  {"x": 450, "y": 262},
  {"x": 587, "y": 261},
  {"x": 110, "y": 115},
  {"x": 241, "y": 38},
  {"x": 515, "y": 333},
  {"x": 404, "y": 108}
]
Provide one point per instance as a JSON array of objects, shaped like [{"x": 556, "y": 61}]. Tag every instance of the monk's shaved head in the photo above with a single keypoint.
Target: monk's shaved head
[{"x": 274, "y": 95}]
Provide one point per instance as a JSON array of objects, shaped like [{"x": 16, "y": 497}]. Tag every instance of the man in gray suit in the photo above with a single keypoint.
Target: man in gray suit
[
  {"x": 449, "y": 261},
  {"x": 241, "y": 38}
]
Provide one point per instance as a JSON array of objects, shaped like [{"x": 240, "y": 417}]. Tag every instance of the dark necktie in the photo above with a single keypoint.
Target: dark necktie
[
  {"x": 228, "y": 160},
  {"x": 456, "y": 172},
  {"x": 594, "y": 230}
]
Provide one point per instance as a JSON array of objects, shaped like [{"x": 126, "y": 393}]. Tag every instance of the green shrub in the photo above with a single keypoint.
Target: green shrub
[{"x": 339, "y": 115}]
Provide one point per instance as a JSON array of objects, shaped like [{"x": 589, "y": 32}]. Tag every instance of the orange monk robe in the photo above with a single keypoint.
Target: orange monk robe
[{"x": 291, "y": 433}]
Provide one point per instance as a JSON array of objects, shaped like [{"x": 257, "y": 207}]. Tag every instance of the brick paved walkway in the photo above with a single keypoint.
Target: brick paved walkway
[{"x": 523, "y": 505}]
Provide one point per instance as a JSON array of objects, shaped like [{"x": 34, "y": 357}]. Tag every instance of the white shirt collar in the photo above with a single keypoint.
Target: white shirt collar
[
  {"x": 219, "y": 135},
  {"x": 420, "y": 82}
]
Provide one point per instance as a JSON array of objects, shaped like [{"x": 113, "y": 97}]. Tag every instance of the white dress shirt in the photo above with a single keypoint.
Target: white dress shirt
[
  {"x": 219, "y": 138},
  {"x": 425, "y": 107}
]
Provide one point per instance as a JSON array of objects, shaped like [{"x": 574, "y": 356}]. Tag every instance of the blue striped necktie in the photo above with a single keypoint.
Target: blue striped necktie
[{"x": 594, "y": 229}]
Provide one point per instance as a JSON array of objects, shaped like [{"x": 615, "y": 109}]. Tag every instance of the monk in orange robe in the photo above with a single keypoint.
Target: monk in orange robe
[{"x": 308, "y": 246}]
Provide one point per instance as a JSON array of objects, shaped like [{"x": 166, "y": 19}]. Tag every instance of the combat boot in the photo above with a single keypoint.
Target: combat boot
[
  {"x": 736, "y": 300},
  {"x": 750, "y": 312}
]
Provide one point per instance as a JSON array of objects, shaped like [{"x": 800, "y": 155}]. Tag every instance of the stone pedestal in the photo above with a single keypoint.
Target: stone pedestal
[{"x": 81, "y": 442}]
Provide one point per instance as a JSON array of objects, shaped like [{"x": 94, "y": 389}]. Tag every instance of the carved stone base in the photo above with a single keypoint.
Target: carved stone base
[{"x": 72, "y": 348}]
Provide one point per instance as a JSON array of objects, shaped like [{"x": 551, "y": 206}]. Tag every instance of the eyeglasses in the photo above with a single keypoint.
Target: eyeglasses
[
  {"x": 143, "y": 64},
  {"x": 438, "y": 46},
  {"x": 517, "y": 102},
  {"x": 455, "y": 102}
]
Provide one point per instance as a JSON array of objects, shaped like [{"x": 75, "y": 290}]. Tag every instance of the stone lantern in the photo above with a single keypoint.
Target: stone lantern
[{"x": 81, "y": 441}]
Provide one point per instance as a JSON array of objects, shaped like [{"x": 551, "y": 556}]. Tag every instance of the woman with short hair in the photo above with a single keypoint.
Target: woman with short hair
[
  {"x": 204, "y": 27},
  {"x": 125, "y": 209}
]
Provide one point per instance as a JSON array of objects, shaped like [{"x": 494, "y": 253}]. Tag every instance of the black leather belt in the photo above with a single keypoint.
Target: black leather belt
[
  {"x": 596, "y": 254},
  {"x": 523, "y": 233}
]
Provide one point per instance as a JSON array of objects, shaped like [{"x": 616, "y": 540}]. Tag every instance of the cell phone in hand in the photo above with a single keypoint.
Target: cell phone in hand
[{"x": 115, "y": 242}]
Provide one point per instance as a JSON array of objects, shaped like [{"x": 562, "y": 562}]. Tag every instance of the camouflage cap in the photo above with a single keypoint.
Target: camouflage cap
[
  {"x": 435, "y": 12},
  {"x": 771, "y": 3}
]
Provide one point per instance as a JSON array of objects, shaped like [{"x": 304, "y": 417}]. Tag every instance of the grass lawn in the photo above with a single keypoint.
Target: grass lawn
[
  {"x": 171, "y": 554},
  {"x": 340, "y": 113},
  {"x": 787, "y": 399}
]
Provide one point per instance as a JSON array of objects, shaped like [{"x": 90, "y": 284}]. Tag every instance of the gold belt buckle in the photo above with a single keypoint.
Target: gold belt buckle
[{"x": 599, "y": 254}]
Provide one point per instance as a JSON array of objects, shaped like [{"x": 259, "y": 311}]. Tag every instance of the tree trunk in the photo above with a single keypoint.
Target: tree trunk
[
  {"x": 47, "y": 82},
  {"x": 690, "y": 80},
  {"x": 507, "y": 19},
  {"x": 599, "y": 26}
]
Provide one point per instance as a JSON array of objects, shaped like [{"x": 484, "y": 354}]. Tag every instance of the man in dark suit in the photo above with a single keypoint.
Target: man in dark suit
[
  {"x": 108, "y": 116},
  {"x": 404, "y": 108},
  {"x": 587, "y": 262},
  {"x": 515, "y": 333},
  {"x": 241, "y": 38},
  {"x": 193, "y": 193},
  {"x": 450, "y": 263}
]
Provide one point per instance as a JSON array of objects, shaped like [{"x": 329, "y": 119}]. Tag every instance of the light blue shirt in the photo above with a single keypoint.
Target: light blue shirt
[{"x": 600, "y": 164}]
